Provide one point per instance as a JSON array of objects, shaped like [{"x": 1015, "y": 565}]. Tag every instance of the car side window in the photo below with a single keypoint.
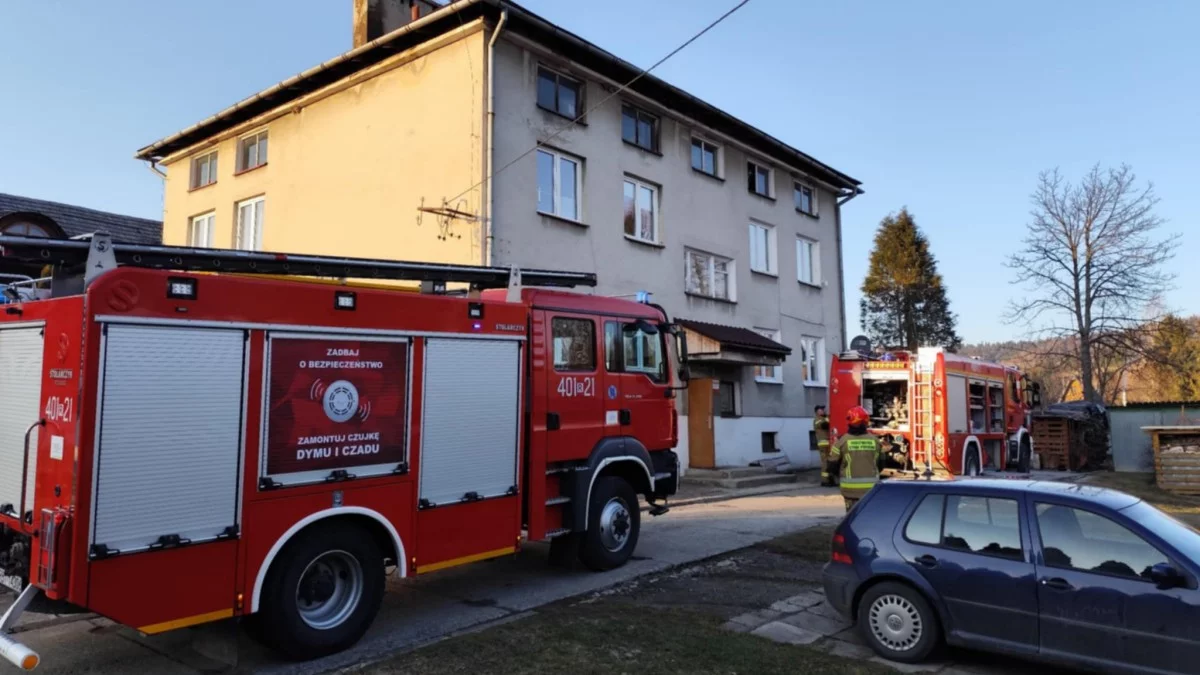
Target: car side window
[
  {"x": 925, "y": 525},
  {"x": 984, "y": 525},
  {"x": 1088, "y": 542}
]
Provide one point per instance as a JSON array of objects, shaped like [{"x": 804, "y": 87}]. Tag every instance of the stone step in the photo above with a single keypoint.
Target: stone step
[
  {"x": 727, "y": 473},
  {"x": 743, "y": 482}
]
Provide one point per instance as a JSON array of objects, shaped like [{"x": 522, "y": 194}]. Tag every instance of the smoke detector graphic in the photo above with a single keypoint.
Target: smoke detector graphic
[{"x": 340, "y": 400}]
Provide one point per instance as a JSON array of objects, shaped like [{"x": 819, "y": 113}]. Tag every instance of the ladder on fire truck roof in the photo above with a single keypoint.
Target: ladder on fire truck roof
[{"x": 98, "y": 253}]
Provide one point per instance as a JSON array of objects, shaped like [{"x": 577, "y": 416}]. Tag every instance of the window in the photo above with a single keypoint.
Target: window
[
  {"x": 925, "y": 525},
  {"x": 643, "y": 353},
  {"x": 773, "y": 374},
  {"x": 23, "y": 228},
  {"x": 200, "y": 231},
  {"x": 558, "y": 185},
  {"x": 612, "y": 347},
  {"x": 704, "y": 157},
  {"x": 204, "y": 170},
  {"x": 574, "y": 344},
  {"x": 252, "y": 151},
  {"x": 558, "y": 93},
  {"x": 726, "y": 399},
  {"x": 758, "y": 179},
  {"x": 1081, "y": 540},
  {"x": 641, "y": 211},
  {"x": 805, "y": 198},
  {"x": 249, "y": 235},
  {"x": 762, "y": 248},
  {"x": 769, "y": 442},
  {"x": 808, "y": 262},
  {"x": 983, "y": 525},
  {"x": 709, "y": 275},
  {"x": 812, "y": 361},
  {"x": 639, "y": 127}
]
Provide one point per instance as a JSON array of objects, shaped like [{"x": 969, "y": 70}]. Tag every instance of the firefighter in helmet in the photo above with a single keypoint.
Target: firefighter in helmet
[
  {"x": 821, "y": 429},
  {"x": 858, "y": 454}
]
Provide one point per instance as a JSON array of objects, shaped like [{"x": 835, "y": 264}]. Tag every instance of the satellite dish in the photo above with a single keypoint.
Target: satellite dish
[{"x": 861, "y": 344}]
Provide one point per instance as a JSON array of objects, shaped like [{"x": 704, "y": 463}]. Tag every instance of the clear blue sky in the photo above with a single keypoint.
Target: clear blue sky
[{"x": 951, "y": 108}]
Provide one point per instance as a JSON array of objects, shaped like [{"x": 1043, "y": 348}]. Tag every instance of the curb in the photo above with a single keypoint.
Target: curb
[{"x": 708, "y": 499}]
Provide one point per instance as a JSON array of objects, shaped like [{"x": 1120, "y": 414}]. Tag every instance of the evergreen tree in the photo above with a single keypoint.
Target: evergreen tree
[
  {"x": 904, "y": 303},
  {"x": 1174, "y": 359}
]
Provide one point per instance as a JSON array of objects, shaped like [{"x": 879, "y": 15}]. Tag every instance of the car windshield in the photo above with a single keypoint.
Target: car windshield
[{"x": 1183, "y": 538}]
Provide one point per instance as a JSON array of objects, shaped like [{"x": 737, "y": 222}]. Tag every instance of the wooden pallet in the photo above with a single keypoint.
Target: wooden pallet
[
  {"x": 1177, "y": 472},
  {"x": 1053, "y": 443}
]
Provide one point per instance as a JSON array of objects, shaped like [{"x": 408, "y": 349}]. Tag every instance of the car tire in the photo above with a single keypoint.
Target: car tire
[
  {"x": 898, "y": 623},
  {"x": 614, "y": 522},
  {"x": 972, "y": 466},
  {"x": 322, "y": 592},
  {"x": 1024, "y": 455}
]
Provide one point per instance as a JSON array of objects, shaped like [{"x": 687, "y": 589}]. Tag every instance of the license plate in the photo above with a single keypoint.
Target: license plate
[{"x": 11, "y": 582}]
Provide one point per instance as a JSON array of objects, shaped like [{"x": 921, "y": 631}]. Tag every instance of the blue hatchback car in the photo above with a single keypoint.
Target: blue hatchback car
[{"x": 1063, "y": 573}]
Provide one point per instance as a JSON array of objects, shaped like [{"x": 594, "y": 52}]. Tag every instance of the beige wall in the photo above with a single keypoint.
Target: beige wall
[{"x": 349, "y": 166}]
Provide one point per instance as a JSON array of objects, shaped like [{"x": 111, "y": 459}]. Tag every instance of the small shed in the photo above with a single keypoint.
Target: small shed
[
  {"x": 1131, "y": 448},
  {"x": 1176, "y": 457}
]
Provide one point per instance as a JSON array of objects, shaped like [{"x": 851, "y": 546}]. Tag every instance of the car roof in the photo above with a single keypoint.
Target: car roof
[{"x": 1080, "y": 492}]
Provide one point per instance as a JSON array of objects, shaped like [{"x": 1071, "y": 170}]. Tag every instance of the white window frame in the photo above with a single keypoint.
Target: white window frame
[
  {"x": 770, "y": 264},
  {"x": 798, "y": 187},
  {"x": 717, "y": 152},
  {"x": 810, "y": 249},
  {"x": 710, "y": 270},
  {"x": 656, "y": 239},
  {"x": 259, "y": 138},
  {"x": 756, "y": 165},
  {"x": 238, "y": 239},
  {"x": 769, "y": 374},
  {"x": 209, "y": 158},
  {"x": 202, "y": 224},
  {"x": 558, "y": 158},
  {"x": 812, "y": 350}
]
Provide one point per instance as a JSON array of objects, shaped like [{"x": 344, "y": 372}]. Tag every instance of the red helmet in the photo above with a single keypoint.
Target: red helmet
[{"x": 858, "y": 416}]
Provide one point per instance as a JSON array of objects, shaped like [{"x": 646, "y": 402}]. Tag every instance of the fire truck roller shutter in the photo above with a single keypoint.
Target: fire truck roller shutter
[
  {"x": 20, "y": 407},
  {"x": 471, "y": 419},
  {"x": 169, "y": 437}
]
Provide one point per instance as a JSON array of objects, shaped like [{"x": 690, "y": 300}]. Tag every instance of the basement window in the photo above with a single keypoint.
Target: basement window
[{"x": 769, "y": 442}]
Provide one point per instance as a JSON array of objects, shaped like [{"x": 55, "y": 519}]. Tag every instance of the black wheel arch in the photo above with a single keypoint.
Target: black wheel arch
[
  {"x": 622, "y": 456},
  {"x": 942, "y": 616}
]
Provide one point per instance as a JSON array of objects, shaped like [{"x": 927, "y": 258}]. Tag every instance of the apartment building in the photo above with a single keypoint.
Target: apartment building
[{"x": 455, "y": 134}]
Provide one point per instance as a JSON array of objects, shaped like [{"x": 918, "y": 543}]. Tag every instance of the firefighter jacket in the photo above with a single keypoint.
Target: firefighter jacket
[
  {"x": 858, "y": 456},
  {"x": 821, "y": 429}
]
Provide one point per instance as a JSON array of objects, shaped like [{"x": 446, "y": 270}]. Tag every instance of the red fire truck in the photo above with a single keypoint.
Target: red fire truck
[
  {"x": 188, "y": 435},
  {"x": 938, "y": 412}
]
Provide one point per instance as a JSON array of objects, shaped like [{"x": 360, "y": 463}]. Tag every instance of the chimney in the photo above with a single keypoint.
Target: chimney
[{"x": 374, "y": 18}]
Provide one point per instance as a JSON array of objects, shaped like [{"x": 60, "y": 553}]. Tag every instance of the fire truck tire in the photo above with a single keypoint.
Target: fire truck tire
[
  {"x": 972, "y": 466},
  {"x": 322, "y": 592},
  {"x": 614, "y": 522}
]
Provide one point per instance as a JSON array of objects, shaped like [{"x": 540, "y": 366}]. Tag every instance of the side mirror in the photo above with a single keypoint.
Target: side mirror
[
  {"x": 1165, "y": 576},
  {"x": 681, "y": 352}
]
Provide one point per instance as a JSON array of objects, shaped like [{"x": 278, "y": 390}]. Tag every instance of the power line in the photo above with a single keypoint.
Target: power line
[{"x": 606, "y": 99}]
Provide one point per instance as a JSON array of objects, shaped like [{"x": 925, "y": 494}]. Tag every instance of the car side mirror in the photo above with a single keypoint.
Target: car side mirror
[{"x": 1165, "y": 576}]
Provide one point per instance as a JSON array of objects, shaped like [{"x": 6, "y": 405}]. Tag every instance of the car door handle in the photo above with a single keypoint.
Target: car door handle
[
  {"x": 927, "y": 561},
  {"x": 1057, "y": 584}
]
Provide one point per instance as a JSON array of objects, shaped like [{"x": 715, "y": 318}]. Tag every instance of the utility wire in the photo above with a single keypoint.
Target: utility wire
[{"x": 606, "y": 99}]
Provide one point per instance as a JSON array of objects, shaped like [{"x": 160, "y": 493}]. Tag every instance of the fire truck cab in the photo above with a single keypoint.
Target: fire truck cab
[
  {"x": 179, "y": 446},
  {"x": 937, "y": 412}
]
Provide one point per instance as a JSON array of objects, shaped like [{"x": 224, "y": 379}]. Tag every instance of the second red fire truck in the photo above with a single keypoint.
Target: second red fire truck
[
  {"x": 938, "y": 412},
  {"x": 179, "y": 446}
]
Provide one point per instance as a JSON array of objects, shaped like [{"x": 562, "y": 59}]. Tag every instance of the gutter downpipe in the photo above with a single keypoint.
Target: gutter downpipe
[
  {"x": 837, "y": 223},
  {"x": 152, "y": 164},
  {"x": 489, "y": 199}
]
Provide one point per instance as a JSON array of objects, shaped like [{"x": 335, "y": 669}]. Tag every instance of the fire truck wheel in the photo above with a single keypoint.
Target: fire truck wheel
[
  {"x": 614, "y": 521},
  {"x": 972, "y": 466},
  {"x": 322, "y": 592}
]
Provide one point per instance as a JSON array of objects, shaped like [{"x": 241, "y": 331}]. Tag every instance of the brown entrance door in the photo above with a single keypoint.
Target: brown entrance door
[{"x": 701, "y": 451}]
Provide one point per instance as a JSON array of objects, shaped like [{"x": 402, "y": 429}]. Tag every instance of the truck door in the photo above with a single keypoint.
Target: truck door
[
  {"x": 642, "y": 403},
  {"x": 575, "y": 419}
]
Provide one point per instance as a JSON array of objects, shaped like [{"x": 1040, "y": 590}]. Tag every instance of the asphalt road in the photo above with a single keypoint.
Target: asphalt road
[{"x": 420, "y": 610}]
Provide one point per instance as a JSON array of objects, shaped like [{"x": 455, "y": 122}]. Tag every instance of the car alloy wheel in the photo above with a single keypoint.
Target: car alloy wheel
[{"x": 895, "y": 623}]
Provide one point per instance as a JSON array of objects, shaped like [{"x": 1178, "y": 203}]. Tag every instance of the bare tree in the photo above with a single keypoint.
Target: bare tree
[{"x": 1093, "y": 264}]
